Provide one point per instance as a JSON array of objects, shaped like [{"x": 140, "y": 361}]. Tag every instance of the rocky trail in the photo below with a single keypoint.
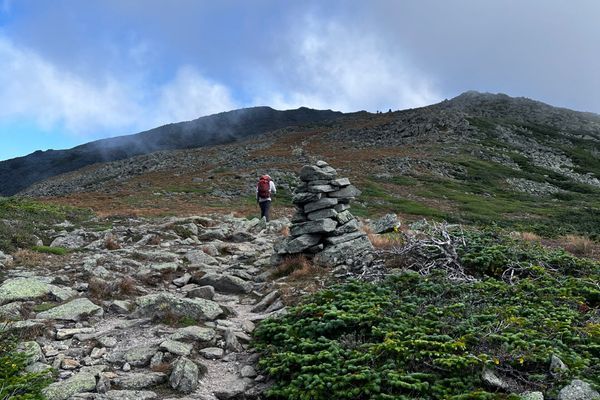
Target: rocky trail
[{"x": 147, "y": 309}]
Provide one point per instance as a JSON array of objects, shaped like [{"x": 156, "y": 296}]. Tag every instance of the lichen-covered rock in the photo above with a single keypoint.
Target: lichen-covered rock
[
  {"x": 161, "y": 304},
  {"x": 130, "y": 395},
  {"x": 194, "y": 333},
  {"x": 199, "y": 257},
  {"x": 184, "y": 377},
  {"x": 321, "y": 226},
  {"x": 312, "y": 173},
  {"x": 78, "y": 383},
  {"x": 175, "y": 347},
  {"x": 75, "y": 310},
  {"x": 324, "y": 202},
  {"x": 140, "y": 356},
  {"x": 302, "y": 243},
  {"x": 140, "y": 380},
  {"x": 24, "y": 289},
  {"x": 578, "y": 390},
  {"x": 339, "y": 253},
  {"x": 387, "y": 223},
  {"x": 347, "y": 192}
]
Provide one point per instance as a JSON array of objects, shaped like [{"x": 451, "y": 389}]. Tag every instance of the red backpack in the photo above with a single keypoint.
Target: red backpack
[{"x": 264, "y": 187}]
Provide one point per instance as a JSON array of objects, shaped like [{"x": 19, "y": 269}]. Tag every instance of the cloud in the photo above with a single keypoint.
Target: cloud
[
  {"x": 190, "y": 95},
  {"x": 35, "y": 89},
  {"x": 328, "y": 65}
]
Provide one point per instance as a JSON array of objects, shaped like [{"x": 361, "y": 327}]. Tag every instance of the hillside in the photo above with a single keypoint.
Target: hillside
[
  {"x": 478, "y": 159},
  {"x": 205, "y": 131},
  {"x": 151, "y": 277}
]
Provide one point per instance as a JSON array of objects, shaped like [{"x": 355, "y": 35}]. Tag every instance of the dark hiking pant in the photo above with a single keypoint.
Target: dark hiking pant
[{"x": 265, "y": 208}]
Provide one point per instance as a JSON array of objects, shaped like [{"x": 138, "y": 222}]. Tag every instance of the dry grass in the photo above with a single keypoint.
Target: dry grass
[
  {"x": 154, "y": 240},
  {"x": 529, "y": 237},
  {"x": 163, "y": 367},
  {"x": 285, "y": 231},
  {"x": 127, "y": 286},
  {"x": 99, "y": 289},
  {"x": 383, "y": 241},
  {"x": 296, "y": 266},
  {"x": 110, "y": 243},
  {"x": 578, "y": 245},
  {"x": 29, "y": 258}
]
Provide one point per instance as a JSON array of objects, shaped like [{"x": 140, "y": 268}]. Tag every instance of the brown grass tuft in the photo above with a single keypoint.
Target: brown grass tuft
[
  {"x": 99, "y": 289},
  {"x": 154, "y": 240},
  {"x": 29, "y": 258},
  {"x": 578, "y": 245},
  {"x": 110, "y": 243},
  {"x": 530, "y": 237},
  {"x": 292, "y": 264},
  {"x": 163, "y": 367},
  {"x": 285, "y": 231},
  {"x": 127, "y": 286}
]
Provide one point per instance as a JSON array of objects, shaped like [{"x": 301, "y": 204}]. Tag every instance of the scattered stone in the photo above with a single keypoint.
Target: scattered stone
[
  {"x": 557, "y": 366},
  {"x": 25, "y": 289},
  {"x": 141, "y": 380},
  {"x": 199, "y": 257},
  {"x": 130, "y": 395},
  {"x": 230, "y": 390},
  {"x": 248, "y": 372},
  {"x": 212, "y": 353},
  {"x": 203, "y": 292},
  {"x": 578, "y": 390},
  {"x": 387, "y": 223},
  {"x": 175, "y": 347},
  {"x": 182, "y": 281},
  {"x": 70, "y": 363},
  {"x": 75, "y": 310},
  {"x": 184, "y": 377},
  {"x": 266, "y": 302},
  {"x": 126, "y": 367},
  {"x": 139, "y": 356},
  {"x": 194, "y": 333},
  {"x": 490, "y": 378},
  {"x": 120, "y": 306},
  {"x": 231, "y": 342},
  {"x": 532, "y": 396},
  {"x": 78, "y": 383},
  {"x": 65, "y": 333},
  {"x": 225, "y": 283},
  {"x": 160, "y": 304}
]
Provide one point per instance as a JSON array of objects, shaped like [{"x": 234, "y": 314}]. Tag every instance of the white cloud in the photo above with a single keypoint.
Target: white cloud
[
  {"x": 331, "y": 66},
  {"x": 190, "y": 95},
  {"x": 34, "y": 89}
]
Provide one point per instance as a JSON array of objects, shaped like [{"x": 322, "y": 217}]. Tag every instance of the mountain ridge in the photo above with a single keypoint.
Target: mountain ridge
[{"x": 203, "y": 131}]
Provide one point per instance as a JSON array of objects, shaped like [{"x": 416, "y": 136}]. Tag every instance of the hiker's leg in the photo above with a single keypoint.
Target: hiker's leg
[
  {"x": 267, "y": 209},
  {"x": 263, "y": 208}
]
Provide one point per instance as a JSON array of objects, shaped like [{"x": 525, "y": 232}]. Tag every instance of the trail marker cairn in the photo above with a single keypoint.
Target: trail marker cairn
[{"x": 323, "y": 225}]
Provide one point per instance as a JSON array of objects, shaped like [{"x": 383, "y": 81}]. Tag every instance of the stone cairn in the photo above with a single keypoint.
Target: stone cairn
[{"x": 323, "y": 226}]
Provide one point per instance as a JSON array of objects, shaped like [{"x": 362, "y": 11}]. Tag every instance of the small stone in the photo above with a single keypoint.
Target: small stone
[
  {"x": 126, "y": 367},
  {"x": 247, "y": 372},
  {"x": 203, "y": 292},
  {"x": 578, "y": 390},
  {"x": 175, "y": 347},
  {"x": 70, "y": 363},
  {"x": 532, "y": 396},
  {"x": 212, "y": 353},
  {"x": 184, "y": 377},
  {"x": 98, "y": 352},
  {"x": 248, "y": 326},
  {"x": 183, "y": 280}
]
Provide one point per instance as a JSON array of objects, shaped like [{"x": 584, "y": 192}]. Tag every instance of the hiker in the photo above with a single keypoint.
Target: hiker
[{"x": 264, "y": 189}]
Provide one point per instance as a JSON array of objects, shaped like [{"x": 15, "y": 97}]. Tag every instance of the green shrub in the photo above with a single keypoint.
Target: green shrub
[
  {"x": 427, "y": 337},
  {"x": 60, "y": 251},
  {"x": 15, "y": 382}
]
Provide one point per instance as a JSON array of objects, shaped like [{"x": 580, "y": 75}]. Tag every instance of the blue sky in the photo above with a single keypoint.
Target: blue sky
[{"x": 72, "y": 71}]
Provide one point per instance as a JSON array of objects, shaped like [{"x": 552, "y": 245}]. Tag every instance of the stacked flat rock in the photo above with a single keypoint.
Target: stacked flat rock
[{"x": 323, "y": 225}]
